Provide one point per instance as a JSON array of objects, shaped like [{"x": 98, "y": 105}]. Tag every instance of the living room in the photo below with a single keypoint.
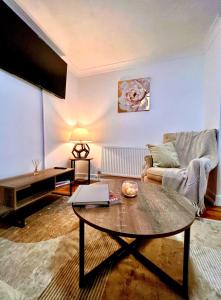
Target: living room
[{"x": 175, "y": 44}]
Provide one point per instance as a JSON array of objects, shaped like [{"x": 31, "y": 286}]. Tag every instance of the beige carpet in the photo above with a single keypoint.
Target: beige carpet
[{"x": 40, "y": 261}]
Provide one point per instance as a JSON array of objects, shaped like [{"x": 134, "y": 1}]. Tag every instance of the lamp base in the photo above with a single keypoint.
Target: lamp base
[{"x": 81, "y": 150}]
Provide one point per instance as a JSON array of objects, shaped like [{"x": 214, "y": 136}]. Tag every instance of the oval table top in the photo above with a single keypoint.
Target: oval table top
[{"x": 153, "y": 213}]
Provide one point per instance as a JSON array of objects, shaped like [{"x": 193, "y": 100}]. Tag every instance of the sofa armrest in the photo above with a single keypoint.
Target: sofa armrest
[
  {"x": 148, "y": 161},
  {"x": 148, "y": 164}
]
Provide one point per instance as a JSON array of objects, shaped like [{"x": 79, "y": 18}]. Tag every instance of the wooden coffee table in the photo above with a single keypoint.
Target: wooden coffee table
[{"x": 154, "y": 213}]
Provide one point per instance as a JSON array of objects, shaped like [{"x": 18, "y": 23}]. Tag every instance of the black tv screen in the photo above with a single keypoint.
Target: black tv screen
[{"x": 24, "y": 54}]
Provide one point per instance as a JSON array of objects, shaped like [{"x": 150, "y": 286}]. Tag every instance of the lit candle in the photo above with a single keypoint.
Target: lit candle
[{"x": 129, "y": 188}]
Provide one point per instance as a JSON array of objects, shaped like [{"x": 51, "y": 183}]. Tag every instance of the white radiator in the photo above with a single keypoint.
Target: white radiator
[{"x": 122, "y": 161}]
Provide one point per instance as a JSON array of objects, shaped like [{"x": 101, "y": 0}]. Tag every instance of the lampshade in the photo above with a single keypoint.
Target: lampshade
[
  {"x": 80, "y": 134},
  {"x": 81, "y": 137}
]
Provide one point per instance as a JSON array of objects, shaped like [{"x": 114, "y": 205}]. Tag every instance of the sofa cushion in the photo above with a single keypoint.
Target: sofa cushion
[
  {"x": 155, "y": 173},
  {"x": 164, "y": 155}
]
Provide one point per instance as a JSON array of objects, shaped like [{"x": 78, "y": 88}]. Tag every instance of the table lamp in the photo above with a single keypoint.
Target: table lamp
[{"x": 81, "y": 137}]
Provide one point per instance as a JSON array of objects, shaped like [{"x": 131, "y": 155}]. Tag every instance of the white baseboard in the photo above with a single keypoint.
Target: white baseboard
[
  {"x": 84, "y": 176},
  {"x": 218, "y": 200}
]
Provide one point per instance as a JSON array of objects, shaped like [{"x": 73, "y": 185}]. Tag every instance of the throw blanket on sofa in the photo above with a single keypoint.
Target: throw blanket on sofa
[{"x": 197, "y": 152}]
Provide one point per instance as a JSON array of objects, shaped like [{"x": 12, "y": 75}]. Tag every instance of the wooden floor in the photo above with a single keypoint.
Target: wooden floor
[{"x": 212, "y": 212}]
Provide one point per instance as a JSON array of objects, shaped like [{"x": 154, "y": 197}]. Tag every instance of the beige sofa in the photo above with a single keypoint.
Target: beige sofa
[{"x": 155, "y": 174}]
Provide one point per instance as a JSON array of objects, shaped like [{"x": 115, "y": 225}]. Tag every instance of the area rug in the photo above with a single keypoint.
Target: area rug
[{"x": 40, "y": 261}]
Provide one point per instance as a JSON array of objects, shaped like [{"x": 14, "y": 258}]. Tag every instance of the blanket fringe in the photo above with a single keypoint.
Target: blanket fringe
[{"x": 199, "y": 210}]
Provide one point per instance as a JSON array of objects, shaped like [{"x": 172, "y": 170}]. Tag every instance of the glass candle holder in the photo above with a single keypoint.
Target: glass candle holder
[{"x": 129, "y": 188}]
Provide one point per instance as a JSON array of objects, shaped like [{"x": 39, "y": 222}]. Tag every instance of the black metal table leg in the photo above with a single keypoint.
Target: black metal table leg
[
  {"x": 131, "y": 248},
  {"x": 73, "y": 165},
  {"x": 81, "y": 256},
  {"x": 186, "y": 261},
  {"x": 153, "y": 268},
  {"x": 74, "y": 169},
  {"x": 89, "y": 172},
  {"x": 112, "y": 259}
]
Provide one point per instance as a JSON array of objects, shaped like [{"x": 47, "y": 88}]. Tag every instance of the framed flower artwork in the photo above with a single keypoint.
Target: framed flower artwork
[{"x": 134, "y": 95}]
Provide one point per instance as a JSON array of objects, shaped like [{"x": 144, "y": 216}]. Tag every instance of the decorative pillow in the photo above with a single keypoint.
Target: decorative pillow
[{"x": 164, "y": 156}]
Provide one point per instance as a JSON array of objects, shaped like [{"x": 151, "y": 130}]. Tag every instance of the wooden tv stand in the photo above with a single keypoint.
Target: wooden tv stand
[{"x": 20, "y": 191}]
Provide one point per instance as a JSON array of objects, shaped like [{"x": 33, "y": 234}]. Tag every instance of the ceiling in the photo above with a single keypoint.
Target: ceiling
[{"x": 100, "y": 35}]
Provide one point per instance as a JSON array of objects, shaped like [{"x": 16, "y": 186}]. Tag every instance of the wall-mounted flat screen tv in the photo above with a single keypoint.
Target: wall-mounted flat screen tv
[{"x": 24, "y": 54}]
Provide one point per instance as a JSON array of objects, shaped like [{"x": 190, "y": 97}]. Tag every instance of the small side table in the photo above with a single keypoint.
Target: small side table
[{"x": 88, "y": 160}]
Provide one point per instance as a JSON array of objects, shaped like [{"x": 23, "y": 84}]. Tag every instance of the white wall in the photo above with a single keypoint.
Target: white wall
[
  {"x": 60, "y": 115},
  {"x": 176, "y": 93},
  {"x": 212, "y": 79},
  {"x": 176, "y": 104},
  {"x": 20, "y": 125},
  {"x": 212, "y": 90}
]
